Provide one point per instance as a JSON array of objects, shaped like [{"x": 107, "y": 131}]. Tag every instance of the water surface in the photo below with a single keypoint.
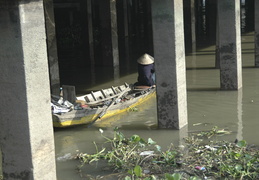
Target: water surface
[{"x": 208, "y": 106}]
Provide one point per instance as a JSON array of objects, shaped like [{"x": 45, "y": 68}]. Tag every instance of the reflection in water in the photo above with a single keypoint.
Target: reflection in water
[
  {"x": 1, "y": 163},
  {"x": 239, "y": 114}
]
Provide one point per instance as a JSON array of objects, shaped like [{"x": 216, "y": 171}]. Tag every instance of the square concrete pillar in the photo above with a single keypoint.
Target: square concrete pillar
[
  {"x": 109, "y": 39},
  {"x": 229, "y": 38},
  {"x": 169, "y": 54},
  {"x": 52, "y": 47},
  {"x": 190, "y": 25},
  {"x": 26, "y": 130},
  {"x": 256, "y": 33}
]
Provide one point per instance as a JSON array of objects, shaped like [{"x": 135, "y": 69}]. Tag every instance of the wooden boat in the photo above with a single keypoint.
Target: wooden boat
[{"x": 99, "y": 105}]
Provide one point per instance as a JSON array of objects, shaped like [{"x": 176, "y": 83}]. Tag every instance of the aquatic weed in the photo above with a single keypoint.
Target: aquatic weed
[
  {"x": 137, "y": 158},
  {"x": 133, "y": 109}
]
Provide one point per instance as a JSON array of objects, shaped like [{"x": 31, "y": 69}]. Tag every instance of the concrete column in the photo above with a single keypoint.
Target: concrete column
[
  {"x": 125, "y": 18},
  {"x": 211, "y": 14},
  {"x": 126, "y": 58},
  {"x": 217, "y": 55},
  {"x": 256, "y": 33},
  {"x": 230, "y": 45},
  {"x": 108, "y": 22},
  {"x": 26, "y": 131},
  {"x": 123, "y": 33},
  {"x": 250, "y": 12},
  {"x": 114, "y": 36},
  {"x": 190, "y": 25},
  {"x": 169, "y": 54},
  {"x": 199, "y": 6},
  {"x": 91, "y": 39},
  {"x": 52, "y": 47}
]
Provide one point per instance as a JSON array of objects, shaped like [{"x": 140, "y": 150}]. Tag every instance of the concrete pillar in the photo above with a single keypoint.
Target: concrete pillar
[
  {"x": 217, "y": 55},
  {"x": 199, "y": 6},
  {"x": 211, "y": 14},
  {"x": 26, "y": 135},
  {"x": 169, "y": 54},
  {"x": 230, "y": 44},
  {"x": 125, "y": 21},
  {"x": 256, "y": 33},
  {"x": 126, "y": 57},
  {"x": 123, "y": 33},
  {"x": 190, "y": 25},
  {"x": 108, "y": 22},
  {"x": 114, "y": 36},
  {"x": 250, "y": 10},
  {"x": 91, "y": 38},
  {"x": 52, "y": 47}
]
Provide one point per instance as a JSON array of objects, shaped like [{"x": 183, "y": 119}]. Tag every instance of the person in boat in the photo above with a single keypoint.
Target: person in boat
[{"x": 146, "y": 71}]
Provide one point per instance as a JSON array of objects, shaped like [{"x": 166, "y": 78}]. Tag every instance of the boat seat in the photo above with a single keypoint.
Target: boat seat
[
  {"x": 104, "y": 94},
  {"x": 141, "y": 88}
]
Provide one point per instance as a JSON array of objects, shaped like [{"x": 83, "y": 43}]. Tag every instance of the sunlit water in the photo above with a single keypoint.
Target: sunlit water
[{"x": 208, "y": 106}]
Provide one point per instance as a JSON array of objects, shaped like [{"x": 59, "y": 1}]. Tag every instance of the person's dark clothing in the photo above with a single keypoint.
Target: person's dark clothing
[{"x": 145, "y": 73}]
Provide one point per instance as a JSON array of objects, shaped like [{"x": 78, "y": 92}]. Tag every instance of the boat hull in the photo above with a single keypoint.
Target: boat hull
[{"x": 87, "y": 116}]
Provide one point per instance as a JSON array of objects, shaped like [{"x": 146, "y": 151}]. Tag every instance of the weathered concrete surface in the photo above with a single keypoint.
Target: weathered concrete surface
[
  {"x": 230, "y": 45},
  {"x": 114, "y": 36},
  {"x": 26, "y": 132},
  {"x": 169, "y": 54},
  {"x": 109, "y": 52},
  {"x": 52, "y": 47},
  {"x": 91, "y": 38},
  {"x": 256, "y": 33}
]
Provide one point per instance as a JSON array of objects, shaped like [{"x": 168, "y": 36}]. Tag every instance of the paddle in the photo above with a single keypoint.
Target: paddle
[{"x": 101, "y": 114}]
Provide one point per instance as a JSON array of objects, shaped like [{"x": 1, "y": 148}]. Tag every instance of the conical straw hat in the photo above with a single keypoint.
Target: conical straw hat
[{"x": 145, "y": 59}]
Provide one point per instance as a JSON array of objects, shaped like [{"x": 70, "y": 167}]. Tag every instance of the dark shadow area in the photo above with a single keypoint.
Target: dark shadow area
[{"x": 134, "y": 27}]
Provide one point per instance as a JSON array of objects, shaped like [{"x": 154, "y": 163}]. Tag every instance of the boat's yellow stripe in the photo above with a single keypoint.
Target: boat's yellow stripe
[{"x": 90, "y": 118}]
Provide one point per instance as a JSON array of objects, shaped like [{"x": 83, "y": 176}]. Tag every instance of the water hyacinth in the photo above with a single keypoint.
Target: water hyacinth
[{"x": 136, "y": 158}]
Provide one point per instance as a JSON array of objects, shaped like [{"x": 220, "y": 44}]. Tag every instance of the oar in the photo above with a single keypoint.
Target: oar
[{"x": 101, "y": 114}]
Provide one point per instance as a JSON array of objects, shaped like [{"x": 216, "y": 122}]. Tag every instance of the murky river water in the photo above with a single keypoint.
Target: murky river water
[{"x": 208, "y": 106}]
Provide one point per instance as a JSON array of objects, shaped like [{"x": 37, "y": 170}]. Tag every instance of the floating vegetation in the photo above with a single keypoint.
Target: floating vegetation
[
  {"x": 133, "y": 109},
  {"x": 136, "y": 158}
]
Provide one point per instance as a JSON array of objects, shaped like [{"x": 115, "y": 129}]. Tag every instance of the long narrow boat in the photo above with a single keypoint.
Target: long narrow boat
[{"x": 98, "y": 105}]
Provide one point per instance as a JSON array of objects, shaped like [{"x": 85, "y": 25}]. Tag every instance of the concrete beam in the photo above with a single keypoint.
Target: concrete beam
[
  {"x": 26, "y": 135},
  {"x": 169, "y": 54},
  {"x": 230, "y": 44}
]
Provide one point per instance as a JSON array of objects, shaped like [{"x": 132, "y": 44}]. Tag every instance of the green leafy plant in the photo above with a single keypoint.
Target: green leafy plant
[
  {"x": 133, "y": 109},
  {"x": 137, "y": 158}
]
